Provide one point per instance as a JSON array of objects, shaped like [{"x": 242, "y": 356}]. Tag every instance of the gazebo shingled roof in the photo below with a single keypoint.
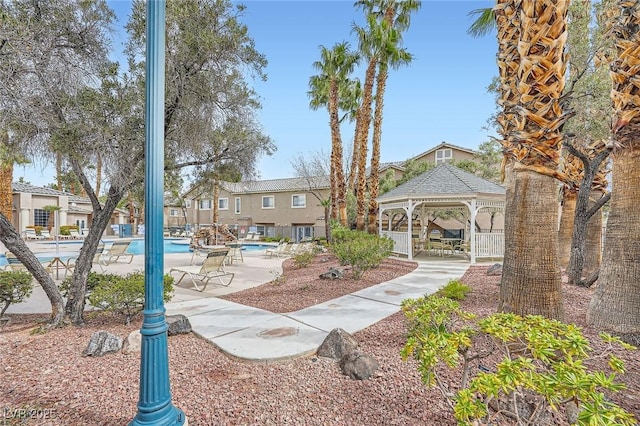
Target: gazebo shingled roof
[{"x": 444, "y": 179}]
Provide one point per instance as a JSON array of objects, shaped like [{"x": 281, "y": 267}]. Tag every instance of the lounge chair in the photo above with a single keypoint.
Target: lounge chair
[
  {"x": 97, "y": 260},
  {"x": 235, "y": 253},
  {"x": 46, "y": 234},
  {"x": 118, "y": 249},
  {"x": 276, "y": 251},
  {"x": 256, "y": 237},
  {"x": 14, "y": 264},
  {"x": 289, "y": 249},
  {"x": 30, "y": 234},
  {"x": 75, "y": 234},
  {"x": 212, "y": 267},
  {"x": 249, "y": 236}
]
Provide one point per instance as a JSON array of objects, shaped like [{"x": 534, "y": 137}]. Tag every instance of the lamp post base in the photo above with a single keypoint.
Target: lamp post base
[{"x": 174, "y": 417}]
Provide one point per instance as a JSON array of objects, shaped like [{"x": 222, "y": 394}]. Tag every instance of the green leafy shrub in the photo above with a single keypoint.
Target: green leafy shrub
[
  {"x": 455, "y": 289},
  {"x": 304, "y": 258},
  {"x": 15, "y": 286},
  {"x": 64, "y": 229},
  {"x": 544, "y": 365},
  {"x": 361, "y": 250},
  {"x": 125, "y": 295},
  {"x": 93, "y": 279}
]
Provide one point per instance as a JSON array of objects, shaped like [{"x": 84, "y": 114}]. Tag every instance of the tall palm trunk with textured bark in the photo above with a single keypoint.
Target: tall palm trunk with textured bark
[
  {"x": 6, "y": 177},
  {"x": 615, "y": 306},
  {"x": 362, "y": 142},
  {"x": 531, "y": 281},
  {"x": 565, "y": 230},
  {"x": 375, "y": 149},
  {"x": 338, "y": 191}
]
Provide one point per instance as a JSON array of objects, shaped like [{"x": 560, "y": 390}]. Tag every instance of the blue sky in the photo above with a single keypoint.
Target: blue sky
[{"x": 441, "y": 96}]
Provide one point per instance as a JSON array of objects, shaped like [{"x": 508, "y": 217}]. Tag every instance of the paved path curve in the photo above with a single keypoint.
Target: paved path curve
[{"x": 257, "y": 335}]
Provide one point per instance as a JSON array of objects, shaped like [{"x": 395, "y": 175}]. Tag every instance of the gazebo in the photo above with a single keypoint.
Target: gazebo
[{"x": 445, "y": 187}]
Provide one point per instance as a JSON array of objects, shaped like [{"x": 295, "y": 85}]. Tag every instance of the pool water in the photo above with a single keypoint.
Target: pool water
[{"x": 171, "y": 245}]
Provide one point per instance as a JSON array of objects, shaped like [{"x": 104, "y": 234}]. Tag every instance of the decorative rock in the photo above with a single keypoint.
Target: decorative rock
[
  {"x": 133, "y": 342},
  {"x": 178, "y": 324},
  {"x": 495, "y": 269},
  {"x": 337, "y": 344},
  {"x": 101, "y": 343},
  {"x": 333, "y": 274},
  {"x": 358, "y": 365}
]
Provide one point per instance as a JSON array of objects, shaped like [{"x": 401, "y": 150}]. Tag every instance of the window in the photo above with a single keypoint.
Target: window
[
  {"x": 41, "y": 217},
  {"x": 174, "y": 212},
  {"x": 298, "y": 201},
  {"x": 237, "y": 205},
  {"x": 205, "y": 204},
  {"x": 187, "y": 203},
  {"x": 444, "y": 155},
  {"x": 223, "y": 204},
  {"x": 268, "y": 202}
]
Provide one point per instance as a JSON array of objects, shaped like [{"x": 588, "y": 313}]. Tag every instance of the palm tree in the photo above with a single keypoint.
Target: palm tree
[
  {"x": 368, "y": 45},
  {"x": 614, "y": 306},
  {"x": 531, "y": 282},
  {"x": 335, "y": 66},
  {"x": 395, "y": 19},
  {"x": 6, "y": 176}
]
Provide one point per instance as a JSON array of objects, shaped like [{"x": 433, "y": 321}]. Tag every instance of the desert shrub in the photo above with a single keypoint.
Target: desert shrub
[
  {"x": 93, "y": 279},
  {"x": 544, "y": 365},
  {"x": 303, "y": 259},
  {"x": 125, "y": 295},
  {"x": 64, "y": 229},
  {"x": 454, "y": 289},
  {"x": 15, "y": 286},
  {"x": 361, "y": 250}
]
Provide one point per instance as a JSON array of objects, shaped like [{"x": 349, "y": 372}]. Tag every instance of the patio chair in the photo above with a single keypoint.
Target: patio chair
[
  {"x": 212, "y": 267},
  {"x": 14, "y": 264},
  {"x": 75, "y": 234},
  {"x": 235, "y": 253},
  {"x": 277, "y": 250},
  {"x": 289, "y": 249},
  {"x": 46, "y": 234},
  {"x": 118, "y": 249},
  {"x": 30, "y": 234}
]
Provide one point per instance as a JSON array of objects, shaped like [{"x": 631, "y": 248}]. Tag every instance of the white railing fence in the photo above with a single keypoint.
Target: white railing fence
[
  {"x": 400, "y": 241},
  {"x": 489, "y": 244}
]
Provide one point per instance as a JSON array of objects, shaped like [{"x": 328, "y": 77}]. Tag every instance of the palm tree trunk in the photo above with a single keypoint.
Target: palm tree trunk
[
  {"x": 531, "y": 275},
  {"x": 216, "y": 196},
  {"x": 565, "y": 231},
  {"x": 615, "y": 306},
  {"x": 6, "y": 190},
  {"x": 374, "y": 181},
  {"x": 338, "y": 193},
  {"x": 362, "y": 139}
]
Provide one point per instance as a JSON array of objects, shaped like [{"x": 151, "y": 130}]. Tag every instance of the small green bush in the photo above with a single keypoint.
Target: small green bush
[
  {"x": 360, "y": 250},
  {"x": 93, "y": 280},
  {"x": 455, "y": 289},
  {"x": 15, "y": 286},
  {"x": 125, "y": 295},
  {"x": 544, "y": 365},
  {"x": 303, "y": 259},
  {"x": 64, "y": 229}
]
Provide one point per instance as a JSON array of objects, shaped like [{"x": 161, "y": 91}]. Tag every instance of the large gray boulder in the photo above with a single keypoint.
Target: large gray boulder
[
  {"x": 178, "y": 324},
  {"x": 337, "y": 344},
  {"x": 101, "y": 343},
  {"x": 358, "y": 365}
]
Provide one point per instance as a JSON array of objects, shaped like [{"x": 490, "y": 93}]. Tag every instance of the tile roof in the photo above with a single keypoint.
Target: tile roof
[
  {"x": 277, "y": 185},
  {"x": 444, "y": 179},
  {"x": 40, "y": 190}
]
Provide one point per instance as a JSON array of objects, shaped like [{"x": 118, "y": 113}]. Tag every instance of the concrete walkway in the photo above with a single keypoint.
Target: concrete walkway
[{"x": 257, "y": 335}]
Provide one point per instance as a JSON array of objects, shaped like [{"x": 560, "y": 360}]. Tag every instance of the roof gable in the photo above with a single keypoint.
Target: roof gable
[
  {"x": 444, "y": 179},
  {"x": 444, "y": 145}
]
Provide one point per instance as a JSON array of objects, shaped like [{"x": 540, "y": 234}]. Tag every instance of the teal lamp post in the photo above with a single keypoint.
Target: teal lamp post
[{"x": 154, "y": 404}]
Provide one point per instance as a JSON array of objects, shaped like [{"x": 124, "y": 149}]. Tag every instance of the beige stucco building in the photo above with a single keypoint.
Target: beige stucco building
[{"x": 30, "y": 202}]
